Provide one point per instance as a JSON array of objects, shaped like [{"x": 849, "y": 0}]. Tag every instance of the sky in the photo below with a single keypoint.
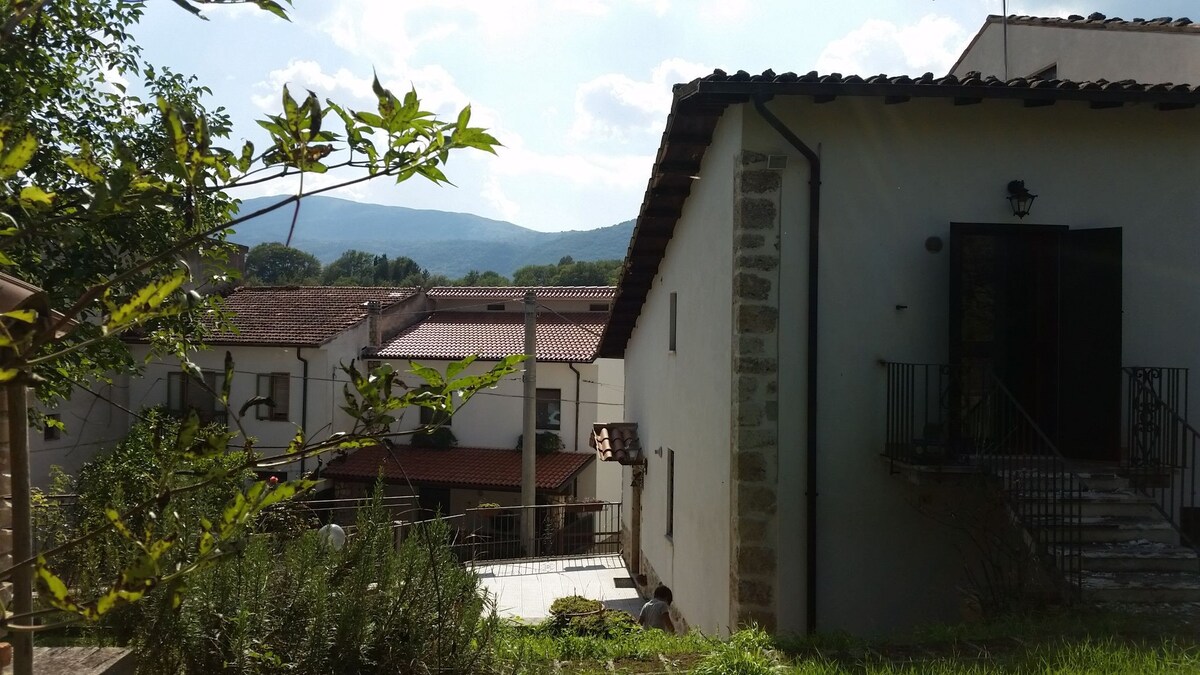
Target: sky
[{"x": 577, "y": 91}]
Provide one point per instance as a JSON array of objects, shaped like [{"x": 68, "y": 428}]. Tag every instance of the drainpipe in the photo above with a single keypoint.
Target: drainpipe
[
  {"x": 303, "y": 403},
  {"x": 814, "y": 231},
  {"x": 575, "y": 442}
]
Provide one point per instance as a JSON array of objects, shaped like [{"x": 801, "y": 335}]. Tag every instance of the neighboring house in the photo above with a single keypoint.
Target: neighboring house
[
  {"x": 289, "y": 344},
  {"x": 574, "y": 390},
  {"x": 1084, "y": 49},
  {"x": 800, "y": 232}
]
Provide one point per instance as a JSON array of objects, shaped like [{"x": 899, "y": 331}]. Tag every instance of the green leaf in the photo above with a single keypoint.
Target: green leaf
[
  {"x": 146, "y": 300},
  {"x": 456, "y": 367},
  {"x": 26, "y": 315},
  {"x": 274, "y": 8},
  {"x": 297, "y": 443},
  {"x": 187, "y": 432},
  {"x": 36, "y": 197},
  {"x": 431, "y": 376},
  {"x": 225, "y": 385},
  {"x": 464, "y": 118},
  {"x": 86, "y": 168},
  {"x": 8, "y": 374},
  {"x": 18, "y": 157}
]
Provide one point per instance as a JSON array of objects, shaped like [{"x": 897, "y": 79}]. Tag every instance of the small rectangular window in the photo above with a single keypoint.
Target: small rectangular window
[
  {"x": 431, "y": 417},
  {"x": 185, "y": 392},
  {"x": 549, "y": 409},
  {"x": 674, "y": 305},
  {"x": 670, "y": 492},
  {"x": 598, "y": 307},
  {"x": 52, "y": 432},
  {"x": 496, "y": 308},
  {"x": 276, "y": 388}
]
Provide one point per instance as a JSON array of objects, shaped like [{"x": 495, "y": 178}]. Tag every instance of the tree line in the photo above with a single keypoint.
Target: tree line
[{"x": 275, "y": 264}]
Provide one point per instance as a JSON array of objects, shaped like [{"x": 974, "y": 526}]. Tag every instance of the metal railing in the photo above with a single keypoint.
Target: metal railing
[
  {"x": 943, "y": 415},
  {"x": 562, "y": 530},
  {"x": 1163, "y": 447}
]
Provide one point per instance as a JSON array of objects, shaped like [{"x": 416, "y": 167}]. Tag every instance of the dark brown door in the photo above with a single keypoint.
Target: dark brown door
[{"x": 1090, "y": 361}]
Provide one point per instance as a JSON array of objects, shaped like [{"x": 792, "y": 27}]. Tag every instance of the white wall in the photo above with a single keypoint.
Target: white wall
[
  {"x": 92, "y": 425},
  {"x": 893, "y": 176},
  {"x": 609, "y": 395},
  {"x": 681, "y": 400},
  {"x": 1086, "y": 54}
]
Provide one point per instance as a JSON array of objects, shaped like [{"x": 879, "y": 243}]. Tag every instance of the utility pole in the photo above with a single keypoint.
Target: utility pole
[
  {"x": 529, "y": 431},
  {"x": 22, "y": 530}
]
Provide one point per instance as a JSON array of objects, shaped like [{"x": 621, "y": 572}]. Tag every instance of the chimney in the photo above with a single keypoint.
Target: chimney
[{"x": 374, "y": 324}]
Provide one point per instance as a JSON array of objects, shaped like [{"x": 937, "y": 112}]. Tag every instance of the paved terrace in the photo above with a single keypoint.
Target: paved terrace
[{"x": 524, "y": 589}]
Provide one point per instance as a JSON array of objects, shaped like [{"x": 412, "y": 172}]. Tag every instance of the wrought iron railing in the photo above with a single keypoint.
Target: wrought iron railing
[
  {"x": 561, "y": 530},
  {"x": 1162, "y": 446},
  {"x": 944, "y": 416}
]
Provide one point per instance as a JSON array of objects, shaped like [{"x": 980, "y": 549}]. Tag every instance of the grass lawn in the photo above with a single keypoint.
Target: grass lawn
[{"x": 1065, "y": 642}]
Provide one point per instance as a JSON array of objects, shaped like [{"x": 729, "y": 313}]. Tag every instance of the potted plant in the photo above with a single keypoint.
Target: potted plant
[
  {"x": 585, "y": 506},
  {"x": 488, "y": 509}
]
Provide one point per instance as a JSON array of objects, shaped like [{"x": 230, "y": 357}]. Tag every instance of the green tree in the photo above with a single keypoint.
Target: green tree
[
  {"x": 536, "y": 275},
  {"x": 101, "y": 197},
  {"x": 352, "y": 268},
  {"x": 488, "y": 278},
  {"x": 274, "y": 263}
]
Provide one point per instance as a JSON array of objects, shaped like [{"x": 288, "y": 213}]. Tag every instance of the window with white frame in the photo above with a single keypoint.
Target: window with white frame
[
  {"x": 549, "y": 409},
  {"x": 275, "y": 387}
]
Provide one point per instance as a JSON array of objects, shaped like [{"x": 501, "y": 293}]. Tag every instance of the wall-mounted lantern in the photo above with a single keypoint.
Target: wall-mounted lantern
[{"x": 1020, "y": 198}]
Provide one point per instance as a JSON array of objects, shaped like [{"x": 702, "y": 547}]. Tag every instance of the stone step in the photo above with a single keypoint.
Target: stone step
[
  {"x": 1035, "y": 479},
  {"x": 1100, "y": 502},
  {"x": 1134, "y": 556},
  {"x": 1111, "y": 529},
  {"x": 1141, "y": 587}
]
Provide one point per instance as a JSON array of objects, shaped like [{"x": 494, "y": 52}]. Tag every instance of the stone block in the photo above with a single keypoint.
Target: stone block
[
  {"x": 772, "y": 387},
  {"x": 6, "y": 514},
  {"x": 755, "y": 499},
  {"x": 762, "y": 617},
  {"x": 752, "y": 560},
  {"x": 750, "y": 414},
  {"x": 761, "y": 262},
  {"x": 757, "y": 319},
  {"x": 771, "y": 408},
  {"x": 745, "y": 241},
  {"x": 759, "y": 593},
  {"x": 751, "y": 466},
  {"x": 751, "y": 287},
  {"x": 749, "y": 345},
  {"x": 758, "y": 181},
  {"x": 756, "y": 439},
  {"x": 755, "y": 213},
  {"x": 751, "y": 530},
  {"x": 748, "y": 365}
]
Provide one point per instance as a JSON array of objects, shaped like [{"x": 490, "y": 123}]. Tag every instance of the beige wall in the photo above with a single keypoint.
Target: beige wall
[
  {"x": 893, "y": 176},
  {"x": 1086, "y": 53},
  {"x": 92, "y": 425},
  {"x": 681, "y": 400}
]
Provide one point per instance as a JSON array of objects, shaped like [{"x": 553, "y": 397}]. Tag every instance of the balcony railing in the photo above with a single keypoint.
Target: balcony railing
[{"x": 561, "y": 530}]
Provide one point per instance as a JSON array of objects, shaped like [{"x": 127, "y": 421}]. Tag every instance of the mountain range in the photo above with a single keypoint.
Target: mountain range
[{"x": 444, "y": 242}]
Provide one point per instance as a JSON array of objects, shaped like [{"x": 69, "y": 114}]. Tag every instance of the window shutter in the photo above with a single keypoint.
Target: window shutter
[
  {"x": 262, "y": 411},
  {"x": 280, "y": 394}
]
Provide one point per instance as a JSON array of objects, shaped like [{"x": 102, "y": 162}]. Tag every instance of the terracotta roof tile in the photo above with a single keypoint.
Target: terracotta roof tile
[
  {"x": 494, "y": 335},
  {"x": 1100, "y": 21},
  {"x": 478, "y": 468},
  {"x": 304, "y": 316},
  {"x": 617, "y": 442},
  {"x": 518, "y": 292}
]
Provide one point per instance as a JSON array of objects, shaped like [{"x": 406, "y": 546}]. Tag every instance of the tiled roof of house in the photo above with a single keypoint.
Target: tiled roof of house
[
  {"x": 698, "y": 105},
  {"x": 1100, "y": 21},
  {"x": 518, "y": 292},
  {"x": 452, "y": 335},
  {"x": 300, "y": 316},
  {"x": 478, "y": 468},
  {"x": 617, "y": 442}
]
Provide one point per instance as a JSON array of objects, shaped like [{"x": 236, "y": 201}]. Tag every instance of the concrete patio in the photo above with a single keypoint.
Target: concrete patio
[{"x": 524, "y": 589}]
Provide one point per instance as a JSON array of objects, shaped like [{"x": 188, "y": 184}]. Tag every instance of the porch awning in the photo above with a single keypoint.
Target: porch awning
[{"x": 469, "y": 468}]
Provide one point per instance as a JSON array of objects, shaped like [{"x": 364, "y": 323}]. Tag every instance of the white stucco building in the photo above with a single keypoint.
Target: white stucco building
[
  {"x": 1081, "y": 49},
  {"x": 796, "y": 232}
]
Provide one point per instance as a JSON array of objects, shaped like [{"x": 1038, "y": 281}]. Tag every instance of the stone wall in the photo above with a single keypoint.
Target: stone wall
[{"x": 754, "y": 423}]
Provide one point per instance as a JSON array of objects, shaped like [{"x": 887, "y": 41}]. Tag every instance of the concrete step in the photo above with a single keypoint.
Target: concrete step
[
  {"x": 1141, "y": 587},
  {"x": 1135, "y": 556},
  {"x": 1113, "y": 529},
  {"x": 1039, "y": 480},
  {"x": 1126, "y": 503}
]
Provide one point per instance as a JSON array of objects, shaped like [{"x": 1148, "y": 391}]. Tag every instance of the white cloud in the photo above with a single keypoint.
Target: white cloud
[
  {"x": 724, "y": 11},
  {"x": 931, "y": 44},
  {"x": 494, "y": 195},
  {"x": 614, "y": 106}
]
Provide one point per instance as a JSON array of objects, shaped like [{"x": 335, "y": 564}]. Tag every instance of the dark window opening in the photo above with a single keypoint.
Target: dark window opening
[
  {"x": 674, "y": 305},
  {"x": 1050, "y": 72},
  {"x": 598, "y": 307},
  {"x": 670, "y": 492},
  {"x": 186, "y": 393},
  {"x": 52, "y": 432},
  {"x": 276, "y": 388},
  {"x": 496, "y": 308},
  {"x": 434, "y": 418},
  {"x": 549, "y": 409}
]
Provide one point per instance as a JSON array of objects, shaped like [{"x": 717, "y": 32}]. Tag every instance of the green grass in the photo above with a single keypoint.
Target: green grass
[{"x": 1062, "y": 643}]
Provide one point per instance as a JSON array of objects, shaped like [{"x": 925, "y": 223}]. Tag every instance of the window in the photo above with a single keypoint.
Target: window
[
  {"x": 185, "y": 393},
  {"x": 1050, "y": 72},
  {"x": 670, "y": 492},
  {"x": 549, "y": 408},
  {"x": 496, "y": 308},
  {"x": 598, "y": 307},
  {"x": 431, "y": 417},
  {"x": 275, "y": 387},
  {"x": 50, "y": 432},
  {"x": 674, "y": 304}
]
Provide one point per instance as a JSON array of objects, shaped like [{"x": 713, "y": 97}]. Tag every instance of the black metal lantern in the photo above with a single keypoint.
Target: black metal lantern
[{"x": 1020, "y": 198}]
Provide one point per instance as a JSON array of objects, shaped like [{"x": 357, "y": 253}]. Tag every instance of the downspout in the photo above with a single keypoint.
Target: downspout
[
  {"x": 303, "y": 403},
  {"x": 814, "y": 232},
  {"x": 575, "y": 442}
]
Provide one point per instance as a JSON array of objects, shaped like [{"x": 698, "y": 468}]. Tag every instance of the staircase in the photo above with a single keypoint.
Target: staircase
[{"x": 1123, "y": 547}]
